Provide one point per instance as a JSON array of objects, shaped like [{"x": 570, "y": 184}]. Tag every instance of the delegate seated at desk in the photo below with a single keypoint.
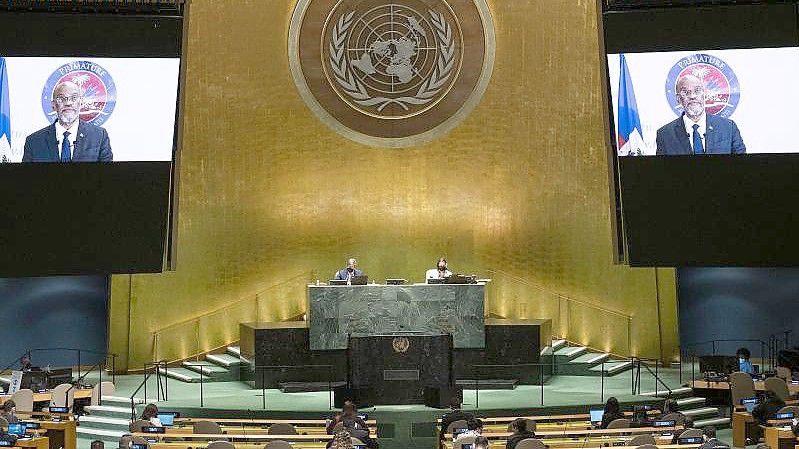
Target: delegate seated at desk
[
  {"x": 768, "y": 408},
  {"x": 440, "y": 271},
  {"x": 349, "y": 272}
]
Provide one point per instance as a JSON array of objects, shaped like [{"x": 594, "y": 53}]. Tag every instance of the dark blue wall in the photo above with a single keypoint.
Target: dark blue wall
[
  {"x": 50, "y": 312},
  {"x": 737, "y": 303}
]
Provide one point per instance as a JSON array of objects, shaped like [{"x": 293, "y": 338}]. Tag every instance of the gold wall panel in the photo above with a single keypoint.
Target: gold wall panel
[{"x": 270, "y": 198}]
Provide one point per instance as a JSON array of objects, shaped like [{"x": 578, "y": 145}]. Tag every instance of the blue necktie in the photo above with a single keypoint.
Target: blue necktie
[
  {"x": 698, "y": 149},
  {"x": 66, "y": 150}
]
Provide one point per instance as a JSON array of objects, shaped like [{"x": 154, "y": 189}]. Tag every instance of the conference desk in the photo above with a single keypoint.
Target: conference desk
[
  {"x": 256, "y": 426},
  {"x": 61, "y": 434},
  {"x": 591, "y": 443},
  {"x": 578, "y": 419},
  {"x": 337, "y": 311},
  {"x": 724, "y": 385},
  {"x": 36, "y": 443},
  {"x": 779, "y": 437},
  {"x": 240, "y": 436},
  {"x": 576, "y": 433},
  {"x": 743, "y": 425},
  {"x": 80, "y": 393}
]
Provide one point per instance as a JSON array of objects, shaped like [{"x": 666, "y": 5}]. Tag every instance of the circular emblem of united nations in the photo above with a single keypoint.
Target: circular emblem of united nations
[
  {"x": 97, "y": 89},
  {"x": 722, "y": 91},
  {"x": 391, "y": 74},
  {"x": 400, "y": 344}
]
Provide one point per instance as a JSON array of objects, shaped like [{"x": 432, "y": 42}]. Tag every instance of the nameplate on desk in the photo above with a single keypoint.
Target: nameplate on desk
[
  {"x": 401, "y": 374},
  {"x": 153, "y": 429}
]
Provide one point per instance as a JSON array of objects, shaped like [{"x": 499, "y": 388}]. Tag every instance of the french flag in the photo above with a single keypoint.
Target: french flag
[{"x": 629, "y": 133}]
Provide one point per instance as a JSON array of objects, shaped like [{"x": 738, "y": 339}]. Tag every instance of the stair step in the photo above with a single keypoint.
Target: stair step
[
  {"x": 120, "y": 401},
  {"x": 108, "y": 411},
  {"x": 689, "y": 402},
  {"x": 103, "y": 422},
  {"x": 487, "y": 384},
  {"x": 234, "y": 351},
  {"x": 181, "y": 374},
  {"x": 225, "y": 360},
  {"x": 675, "y": 392},
  {"x": 5, "y": 380},
  {"x": 547, "y": 350},
  {"x": 613, "y": 367},
  {"x": 100, "y": 434},
  {"x": 564, "y": 354},
  {"x": 557, "y": 344},
  {"x": 207, "y": 368},
  {"x": 590, "y": 358},
  {"x": 715, "y": 422},
  {"x": 703, "y": 411}
]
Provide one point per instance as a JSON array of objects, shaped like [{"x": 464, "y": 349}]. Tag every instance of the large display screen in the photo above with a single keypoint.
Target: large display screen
[
  {"x": 737, "y": 101},
  {"x": 113, "y": 109}
]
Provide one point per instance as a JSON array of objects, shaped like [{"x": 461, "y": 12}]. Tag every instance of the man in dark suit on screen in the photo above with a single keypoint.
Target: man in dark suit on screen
[
  {"x": 695, "y": 131},
  {"x": 68, "y": 139}
]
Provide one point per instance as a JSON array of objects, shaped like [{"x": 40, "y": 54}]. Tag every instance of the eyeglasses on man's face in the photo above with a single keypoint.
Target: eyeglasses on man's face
[{"x": 60, "y": 99}]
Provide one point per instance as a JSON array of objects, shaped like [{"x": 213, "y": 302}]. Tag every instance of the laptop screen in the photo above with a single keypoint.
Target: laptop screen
[
  {"x": 749, "y": 403},
  {"x": 596, "y": 414},
  {"x": 16, "y": 429},
  {"x": 167, "y": 419}
]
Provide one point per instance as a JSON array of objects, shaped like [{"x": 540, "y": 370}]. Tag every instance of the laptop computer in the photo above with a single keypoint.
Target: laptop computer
[
  {"x": 167, "y": 419},
  {"x": 17, "y": 429},
  {"x": 749, "y": 403},
  {"x": 596, "y": 415}
]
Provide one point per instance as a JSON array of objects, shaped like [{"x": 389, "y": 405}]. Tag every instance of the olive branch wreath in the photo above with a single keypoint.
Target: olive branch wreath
[{"x": 355, "y": 88}]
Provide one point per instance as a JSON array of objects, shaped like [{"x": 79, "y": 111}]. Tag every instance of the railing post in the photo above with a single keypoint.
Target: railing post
[
  {"x": 541, "y": 370},
  {"x": 202, "y": 399},
  {"x": 145, "y": 382},
  {"x": 263, "y": 387},
  {"x": 78, "y": 363},
  {"x": 714, "y": 346},
  {"x": 602, "y": 384},
  {"x": 100, "y": 388},
  {"x": 114, "y": 368},
  {"x": 657, "y": 362}
]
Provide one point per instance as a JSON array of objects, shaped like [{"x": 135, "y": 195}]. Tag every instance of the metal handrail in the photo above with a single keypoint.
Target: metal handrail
[
  {"x": 154, "y": 365},
  {"x": 281, "y": 367}
]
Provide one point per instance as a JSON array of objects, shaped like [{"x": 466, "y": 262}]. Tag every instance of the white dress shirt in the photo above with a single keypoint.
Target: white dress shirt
[
  {"x": 689, "y": 128},
  {"x": 433, "y": 273},
  {"x": 73, "y": 136}
]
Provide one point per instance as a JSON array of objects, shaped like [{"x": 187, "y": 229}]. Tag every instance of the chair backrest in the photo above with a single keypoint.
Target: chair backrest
[
  {"x": 461, "y": 441},
  {"x": 783, "y": 372},
  {"x": 741, "y": 387},
  {"x": 678, "y": 418},
  {"x": 778, "y": 386},
  {"x": 107, "y": 388},
  {"x": 209, "y": 427},
  {"x": 530, "y": 425},
  {"x": 220, "y": 445},
  {"x": 647, "y": 446},
  {"x": 640, "y": 440},
  {"x": 63, "y": 395},
  {"x": 459, "y": 424},
  {"x": 691, "y": 433},
  {"x": 357, "y": 442},
  {"x": 531, "y": 443},
  {"x": 136, "y": 426},
  {"x": 790, "y": 408},
  {"x": 278, "y": 444},
  {"x": 281, "y": 429},
  {"x": 23, "y": 400},
  {"x": 140, "y": 440},
  {"x": 620, "y": 423}
]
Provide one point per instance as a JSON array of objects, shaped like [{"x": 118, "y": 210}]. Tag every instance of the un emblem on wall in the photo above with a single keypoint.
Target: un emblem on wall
[{"x": 391, "y": 73}]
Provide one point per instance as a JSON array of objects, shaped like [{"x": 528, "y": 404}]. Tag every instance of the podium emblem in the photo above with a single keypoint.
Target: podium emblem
[
  {"x": 391, "y": 74},
  {"x": 400, "y": 344}
]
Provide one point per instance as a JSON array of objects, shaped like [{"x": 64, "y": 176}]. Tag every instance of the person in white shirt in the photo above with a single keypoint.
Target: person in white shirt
[{"x": 440, "y": 271}]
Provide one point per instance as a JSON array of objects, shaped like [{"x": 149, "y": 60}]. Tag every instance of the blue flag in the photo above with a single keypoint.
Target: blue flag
[
  {"x": 5, "y": 114},
  {"x": 629, "y": 133}
]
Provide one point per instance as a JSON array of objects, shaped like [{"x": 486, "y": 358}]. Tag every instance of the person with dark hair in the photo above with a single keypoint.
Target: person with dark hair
[
  {"x": 612, "y": 411},
  {"x": 25, "y": 364},
  {"x": 710, "y": 439},
  {"x": 9, "y": 412},
  {"x": 440, "y": 271},
  {"x": 348, "y": 420},
  {"x": 520, "y": 432},
  {"x": 744, "y": 364},
  {"x": 474, "y": 428},
  {"x": 455, "y": 414},
  {"x": 150, "y": 413},
  {"x": 768, "y": 408}
]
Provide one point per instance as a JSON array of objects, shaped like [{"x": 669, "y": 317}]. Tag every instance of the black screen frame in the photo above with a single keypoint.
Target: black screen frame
[
  {"x": 48, "y": 33},
  {"x": 648, "y": 242}
]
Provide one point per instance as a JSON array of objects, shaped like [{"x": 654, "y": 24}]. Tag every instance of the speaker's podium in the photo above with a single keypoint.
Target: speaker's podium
[{"x": 400, "y": 368}]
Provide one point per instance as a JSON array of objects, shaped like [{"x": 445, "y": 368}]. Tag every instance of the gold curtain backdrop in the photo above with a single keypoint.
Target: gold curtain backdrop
[{"x": 270, "y": 198}]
